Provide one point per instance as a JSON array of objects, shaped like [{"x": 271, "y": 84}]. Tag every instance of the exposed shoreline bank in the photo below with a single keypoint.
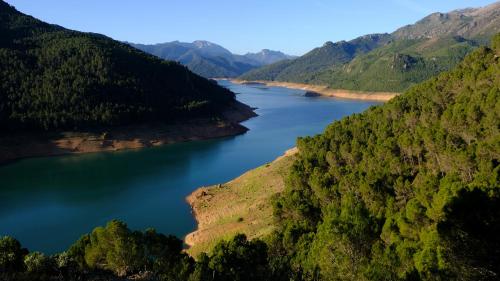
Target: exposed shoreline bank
[
  {"x": 242, "y": 205},
  {"x": 324, "y": 90},
  {"x": 28, "y": 145}
]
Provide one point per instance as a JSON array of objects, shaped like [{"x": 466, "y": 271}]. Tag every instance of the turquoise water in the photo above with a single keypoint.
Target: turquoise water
[{"x": 48, "y": 203}]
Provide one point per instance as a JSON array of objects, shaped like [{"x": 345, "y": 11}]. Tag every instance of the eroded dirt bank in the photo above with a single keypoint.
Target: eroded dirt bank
[{"x": 25, "y": 145}]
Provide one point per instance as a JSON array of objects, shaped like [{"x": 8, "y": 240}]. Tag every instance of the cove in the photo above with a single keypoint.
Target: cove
[{"x": 48, "y": 203}]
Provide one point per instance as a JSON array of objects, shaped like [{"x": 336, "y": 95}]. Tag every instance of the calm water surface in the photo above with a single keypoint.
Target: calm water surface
[{"x": 48, "y": 203}]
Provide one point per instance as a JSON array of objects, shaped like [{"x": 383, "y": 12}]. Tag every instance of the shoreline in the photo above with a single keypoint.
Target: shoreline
[
  {"x": 46, "y": 144},
  {"x": 241, "y": 205},
  {"x": 324, "y": 90}
]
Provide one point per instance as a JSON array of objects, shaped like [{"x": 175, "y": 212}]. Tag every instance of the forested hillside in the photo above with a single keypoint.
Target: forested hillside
[
  {"x": 330, "y": 54},
  {"x": 55, "y": 78},
  {"x": 409, "y": 55},
  {"x": 409, "y": 190},
  {"x": 398, "y": 65},
  {"x": 405, "y": 191}
]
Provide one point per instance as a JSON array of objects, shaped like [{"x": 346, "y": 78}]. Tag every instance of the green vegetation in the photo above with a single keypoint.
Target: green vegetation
[
  {"x": 114, "y": 252},
  {"x": 54, "y": 78},
  {"x": 242, "y": 205},
  {"x": 406, "y": 191},
  {"x": 397, "y": 66},
  {"x": 235, "y": 260},
  {"x": 330, "y": 54},
  {"x": 391, "y": 62},
  {"x": 211, "y": 60},
  {"x": 389, "y": 65}
]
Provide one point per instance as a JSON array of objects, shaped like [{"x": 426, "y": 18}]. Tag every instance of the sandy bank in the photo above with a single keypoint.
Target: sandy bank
[
  {"x": 242, "y": 205},
  {"x": 325, "y": 91},
  {"x": 16, "y": 146}
]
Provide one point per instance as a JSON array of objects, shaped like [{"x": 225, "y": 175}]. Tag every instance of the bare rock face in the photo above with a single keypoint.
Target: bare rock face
[{"x": 468, "y": 23}]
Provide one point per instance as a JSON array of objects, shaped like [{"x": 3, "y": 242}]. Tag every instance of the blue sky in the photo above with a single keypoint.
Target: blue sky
[{"x": 292, "y": 26}]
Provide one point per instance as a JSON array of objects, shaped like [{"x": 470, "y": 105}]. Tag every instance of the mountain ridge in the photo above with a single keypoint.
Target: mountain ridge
[
  {"x": 400, "y": 61},
  {"x": 329, "y": 54},
  {"x": 211, "y": 60}
]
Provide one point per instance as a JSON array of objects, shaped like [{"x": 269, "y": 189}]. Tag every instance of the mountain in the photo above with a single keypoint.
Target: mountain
[
  {"x": 266, "y": 56},
  {"x": 53, "y": 78},
  {"x": 178, "y": 49},
  {"x": 409, "y": 190},
  {"x": 408, "y": 56},
  {"x": 398, "y": 65},
  {"x": 467, "y": 23},
  {"x": 211, "y": 60},
  {"x": 301, "y": 68}
]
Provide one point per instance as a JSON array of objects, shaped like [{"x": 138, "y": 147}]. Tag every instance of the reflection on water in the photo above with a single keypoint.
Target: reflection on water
[{"x": 47, "y": 203}]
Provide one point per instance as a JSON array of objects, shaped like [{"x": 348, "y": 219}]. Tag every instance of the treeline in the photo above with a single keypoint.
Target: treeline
[
  {"x": 114, "y": 252},
  {"x": 54, "y": 78}
]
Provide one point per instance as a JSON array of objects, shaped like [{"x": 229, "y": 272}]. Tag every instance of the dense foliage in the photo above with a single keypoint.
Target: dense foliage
[
  {"x": 391, "y": 62},
  {"x": 54, "y": 78},
  {"x": 234, "y": 260},
  {"x": 406, "y": 191},
  {"x": 114, "y": 252}
]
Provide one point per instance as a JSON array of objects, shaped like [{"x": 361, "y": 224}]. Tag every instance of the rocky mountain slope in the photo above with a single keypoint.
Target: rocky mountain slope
[{"x": 398, "y": 60}]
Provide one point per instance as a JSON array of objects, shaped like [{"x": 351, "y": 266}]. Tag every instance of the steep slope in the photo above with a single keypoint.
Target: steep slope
[
  {"x": 218, "y": 66},
  {"x": 468, "y": 23},
  {"x": 398, "y": 65},
  {"x": 412, "y": 54},
  {"x": 268, "y": 72},
  {"x": 211, "y": 60},
  {"x": 405, "y": 191},
  {"x": 54, "y": 78},
  {"x": 300, "y": 69}
]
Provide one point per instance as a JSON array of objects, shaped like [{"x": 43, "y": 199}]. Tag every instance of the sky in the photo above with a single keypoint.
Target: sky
[{"x": 292, "y": 26}]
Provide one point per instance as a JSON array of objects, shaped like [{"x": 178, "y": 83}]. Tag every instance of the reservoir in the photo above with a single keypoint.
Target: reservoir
[{"x": 48, "y": 203}]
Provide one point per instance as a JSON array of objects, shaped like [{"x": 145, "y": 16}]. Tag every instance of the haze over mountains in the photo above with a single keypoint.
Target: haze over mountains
[
  {"x": 211, "y": 60},
  {"x": 391, "y": 62}
]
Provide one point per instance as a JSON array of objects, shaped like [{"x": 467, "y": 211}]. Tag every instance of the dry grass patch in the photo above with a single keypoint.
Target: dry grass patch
[{"x": 242, "y": 205}]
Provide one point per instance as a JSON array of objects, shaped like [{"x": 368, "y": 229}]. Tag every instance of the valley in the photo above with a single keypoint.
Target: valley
[{"x": 372, "y": 158}]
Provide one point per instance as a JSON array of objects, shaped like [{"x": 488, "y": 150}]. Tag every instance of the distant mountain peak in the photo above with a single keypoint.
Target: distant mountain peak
[
  {"x": 212, "y": 60},
  {"x": 267, "y": 56}
]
